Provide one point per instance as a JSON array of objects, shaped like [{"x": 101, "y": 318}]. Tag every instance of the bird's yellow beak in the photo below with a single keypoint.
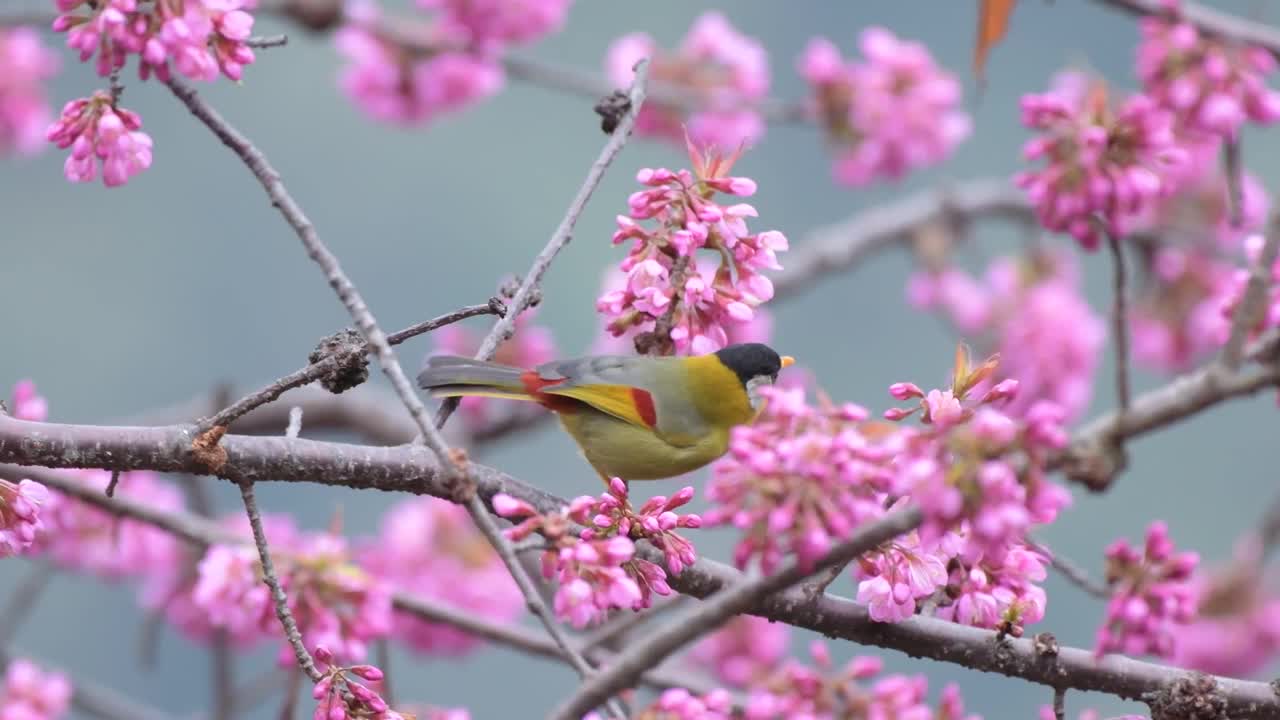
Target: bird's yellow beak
[{"x": 788, "y": 361}]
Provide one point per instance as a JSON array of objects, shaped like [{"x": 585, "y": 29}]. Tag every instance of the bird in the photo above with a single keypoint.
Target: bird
[{"x": 632, "y": 417}]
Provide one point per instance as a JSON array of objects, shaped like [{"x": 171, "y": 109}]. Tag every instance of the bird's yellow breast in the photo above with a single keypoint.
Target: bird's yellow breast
[{"x": 717, "y": 393}]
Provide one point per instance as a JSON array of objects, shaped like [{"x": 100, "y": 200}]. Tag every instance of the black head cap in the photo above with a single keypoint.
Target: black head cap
[{"x": 749, "y": 360}]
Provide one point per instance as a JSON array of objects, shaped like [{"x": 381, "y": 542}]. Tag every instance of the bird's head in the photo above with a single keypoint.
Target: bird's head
[{"x": 757, "y": 365}]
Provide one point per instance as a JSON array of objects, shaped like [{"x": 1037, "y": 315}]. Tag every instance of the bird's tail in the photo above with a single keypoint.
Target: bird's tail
[{"x": 453, "y": 376}]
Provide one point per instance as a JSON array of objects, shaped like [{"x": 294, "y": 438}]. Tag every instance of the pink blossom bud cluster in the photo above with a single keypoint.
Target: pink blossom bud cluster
[
  {"x": 893, "y": 113},
  {"x": 202, "y": 38},
  {"x": 994, "y": 588},
  {"x": 24, "y": 104},
  {"x": 1152, "y": 596},
  {"x": 798, "y": 690},
  {"x": 1270, "y": 316},
  {"x": 1236, "y": 631},
  {"x": 1103, "y": 166},
  {"x": 344, "y": 693},
  {"x": 530, "y": 346},
  {"x": 1178, "y": 318},
  {"x": 335, "y": 603},
  {"x": 21, "y": 504},
  {"x": 444, "y": 66},
  {"x": 723, "y": 72},
  {"x": 1212, "y": 86},
  {"x": 99, "y": 131},
  {"x": 680, "y": 704},
  {"x": 666, "y": 280},
  {"x": 1033, "y": 313},
  {"x": 744, "y": 651},
  {"x": 431, "y": 549},
  {"x": 30, "y": 693},
  {"x": 597, "y": 569}
]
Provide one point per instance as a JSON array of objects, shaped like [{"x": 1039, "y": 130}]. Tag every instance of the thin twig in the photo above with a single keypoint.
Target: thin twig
[
  {"x": 1059, "y": 703},
  {"x": 383, "y": 649},
  {"x": 112, "y": 483},
  {"x": 1074, "y": 574},
  {"x": 1120, "y": 321},
  {"x": 290, "y": 626},
  {"x": 23, "y": 601},
  {"x": 505, "y": 327},
  {"x": 295, "y": 422},
  {"x": 317, "y": 370},
  {"x": 1233, "y": 167},
  {"x": 267, "y": 41},
  {"x": 1253, "y": 304},
  {"x": 654, "y": 648}
]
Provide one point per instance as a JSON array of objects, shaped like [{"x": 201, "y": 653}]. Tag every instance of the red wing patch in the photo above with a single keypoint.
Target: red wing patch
[
  {"x": 644, "y": 406},
  {"x": 533, "y": 384}
]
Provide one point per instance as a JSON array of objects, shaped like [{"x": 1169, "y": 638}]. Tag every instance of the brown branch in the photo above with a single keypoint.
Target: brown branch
[
  {"x": 1219, "y": 24},
  {"x": 505, "y": 327},
  {"x": 719, "y": 608},
  {"x": 317, "y": 370},
  {"x": 1073, "y": 573},
  {"x": 267, "y": 41},
  {"x": 291, "y": 633},
  {"x": 1233, "y": 168},
  {"x": 1253, "y": 304},
  {"x": 412, "y": 469},
  {"x": 1120, "y": 322}
]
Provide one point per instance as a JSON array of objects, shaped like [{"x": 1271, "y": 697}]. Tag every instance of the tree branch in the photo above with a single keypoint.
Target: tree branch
[
  {"x": 505, "y": 327},
  {"x": 719, "y": 608},
  {"x": 413, "y": 469},
  {"x": 1222, "y": 25},
  {"x": 23, "y": 601},
  {"x": 1253, "y": 303},
  {"x": 1120, "y": 321}
]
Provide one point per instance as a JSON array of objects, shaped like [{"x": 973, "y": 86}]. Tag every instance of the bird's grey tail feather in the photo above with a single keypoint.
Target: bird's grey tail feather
[{"x": 457, "y": 373}]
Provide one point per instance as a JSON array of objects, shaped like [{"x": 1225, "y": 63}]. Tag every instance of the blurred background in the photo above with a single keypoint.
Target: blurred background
[{"x": 119, "y": 301}]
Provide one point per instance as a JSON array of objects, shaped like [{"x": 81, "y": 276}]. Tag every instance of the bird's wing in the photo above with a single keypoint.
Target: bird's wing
[{"x": 645, "y": 391}]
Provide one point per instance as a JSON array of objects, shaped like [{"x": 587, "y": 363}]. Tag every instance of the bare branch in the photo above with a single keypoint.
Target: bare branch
[
  {"x": 277, "y": 592},
  {"x": 1059, "y": 703},
  {"x": 1233, "y": 168},
  {"x": 1074, "y": 574},
  {"x": 505, "y": 327},
  {"x": 267, "y": 41},
  {"x": 1253, "y": 304},
  {"x": 719, "y": 608},
  {"x": 1120, "y": 321},
  {"x": 1213, "y": 22}
]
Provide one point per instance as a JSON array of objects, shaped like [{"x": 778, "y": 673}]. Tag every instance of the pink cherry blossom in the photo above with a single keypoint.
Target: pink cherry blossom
[
  {"x": 20, "y": 521},
  {"x": 27, "y": 403},
  {"x": 1032, "y": 312},
  {"x": 97, "y": 130},
  {"x": 1152, "y": 597},
  {"x": 531, "y": 346},
  {"x": 1213, "y": 87},
  {"x": 1104, "y": 166},
  {"x": 492, "y": 24},
  {"x": 895, "y": 112},
  {"x": 744, "y": 651},
  {"x": 724, "y": 70},
  {"x": 348, "y": 693},
  {"x": 430, "y": 549},
  {"x": 396, "y": 85},
  {"x": 24, "y": 102},
  {"x": 994, "y": 589},
  {"x": 898, "y": 574},
  {"x": 797, "y": 690},
  {"x": 202, "y": 38},
  {"x": 30, "y": 693},
  {"x": 1234, "y": 295},
  {"x": 335, "y": 603},
  {"x": 1178, "y": 318},
  {"x": 666, "y": 279}
]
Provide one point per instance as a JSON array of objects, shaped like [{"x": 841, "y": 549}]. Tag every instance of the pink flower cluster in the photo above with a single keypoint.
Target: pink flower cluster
[
  {"x": 1212, "y": 86},
  {"x": 797, "y": 690},
  {"x": 597, "y": 569},
  {"x": 724, "y": 71},
  {"x": 341, "y": 694},
  {"x": 1179, "y": 316},
  {"x": 20, "y": 515},
  {"x": 1270, "y": 316},
  {"x": 99, "y": 131},
  {"x": 1032, "y": 312},
  {"x": 450, "y": 64},
  {"x": 1152, "y": 596},
  {"x": 30, "y": 693},
  {"x": 893, "y": 113},
  {"x": 1236, "y": 631},
  {"x": 744, "y": 651},
  {"x": 531, "y": 346},
  {"x": 665, "y": 278},
  {"x": 680, "y": 704},
  {"x": 431, "y": 549},
  {"x": 995, "y": 589},
  {"x": 201, "y": 37},
  {"x": 335, "y": 603},
  {"x": 1103, "y": 167},
  {"x": 24, "y": 105}
]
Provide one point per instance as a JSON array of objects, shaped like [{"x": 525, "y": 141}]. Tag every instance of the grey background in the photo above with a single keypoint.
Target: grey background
[{"x": 117, "y": 301}]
